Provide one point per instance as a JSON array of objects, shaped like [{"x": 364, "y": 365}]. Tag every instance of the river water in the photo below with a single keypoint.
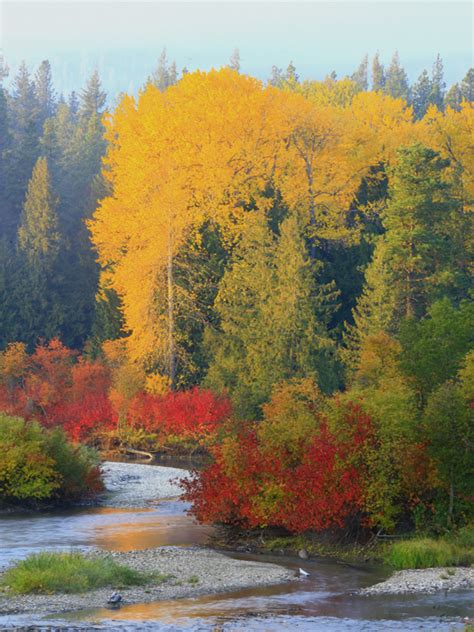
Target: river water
[{"x": 323, "y": 601}]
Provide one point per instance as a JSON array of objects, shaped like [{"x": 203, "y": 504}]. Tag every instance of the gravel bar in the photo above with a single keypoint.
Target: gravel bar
[
  {"x": 192, "y": 572},
  {"x": 425, "y": 580},
  {"x": 134, "y": 485}
]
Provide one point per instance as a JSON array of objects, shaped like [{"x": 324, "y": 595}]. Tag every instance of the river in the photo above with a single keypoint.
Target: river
[{"x": 323, "y": 601}]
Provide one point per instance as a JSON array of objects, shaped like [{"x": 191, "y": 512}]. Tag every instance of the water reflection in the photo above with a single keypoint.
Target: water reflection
[
  {"x": 324, "y": 601},
  {"x": 166, "y": 524}
]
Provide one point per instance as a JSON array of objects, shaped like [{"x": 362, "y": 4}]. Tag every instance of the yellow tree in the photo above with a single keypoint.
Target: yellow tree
[{"x": 200, "y": 152}]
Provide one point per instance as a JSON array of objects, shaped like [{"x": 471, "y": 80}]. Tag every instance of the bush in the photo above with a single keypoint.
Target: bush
[
  {"x": 68, "y": 573},
  {"x": 39, "y": 465},
  {"x": 260, "y": 477}
]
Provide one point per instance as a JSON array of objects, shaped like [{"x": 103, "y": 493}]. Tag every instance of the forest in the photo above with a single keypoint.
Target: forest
[{"x": 277, "y": 274}]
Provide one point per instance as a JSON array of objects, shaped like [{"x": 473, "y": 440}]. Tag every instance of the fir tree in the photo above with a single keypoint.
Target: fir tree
[
  {"x": 396, "y": 82},
  {"x": 44, "y": 92},
  {"x": 165, "y": 75},
  {"x": 276, "y": 77},
  {"x": 38, "y": 236},
  {"x": 378, "y": 74},
  {"x": 422, "y": 92},
  {"x": 438, "y": 86},
  {"x": 454, "y": 97},
  {"x": 360, "y": 76},
  {"x": 467, "y": 86},
  {"x": 234, "y": 62},
  {"x": 92, "y": 98}
]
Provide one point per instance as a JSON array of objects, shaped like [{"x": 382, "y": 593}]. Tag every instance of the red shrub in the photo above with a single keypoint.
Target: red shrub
[{"x": 192, "y": 414}]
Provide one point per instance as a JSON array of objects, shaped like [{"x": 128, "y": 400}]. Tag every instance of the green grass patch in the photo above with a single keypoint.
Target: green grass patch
[
  {"x": 46, "y": 573},
  {"x": 452, "y": 550}
]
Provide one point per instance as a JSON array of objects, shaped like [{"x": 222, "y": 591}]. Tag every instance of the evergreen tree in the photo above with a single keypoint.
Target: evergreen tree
[
  {"x": 291, "y": 77},
  {"x": 234, "y": 62},
  {"x": 360, "y": 76},
  {"x": 454, "y": 97},
  {"x": 467, "y": 86},
  {"x": 40, "y": 309},
  {"x": 7, "y": 212},
  {"x": 422, "y": 93},
  {"x": 438, "y": 86},
  {"x": 165, "y": 75},
  {"x": 378, "y": 74},
  {"x": 414, "y": 259},
  {"x": 73, "y": 104},
  {"x": 38, "y": 235},
  {"x": 92, "y": 98},
  {"x": 276, "y": 77},
  {"x": 24, "y": 126},
  {"x": 273, "y": 318},
  {"x": 418, "y": 250},
  {"x": 44, "y": 92},
  {"x": 396, "y": 82}
]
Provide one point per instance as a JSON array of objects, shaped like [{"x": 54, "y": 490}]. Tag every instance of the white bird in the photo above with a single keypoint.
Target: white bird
[{"x": 303, "y": 573}]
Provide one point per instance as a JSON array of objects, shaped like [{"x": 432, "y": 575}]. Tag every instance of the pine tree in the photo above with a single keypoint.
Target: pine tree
[
  {"x": 454, "y": 97},
  {"x": 234, "y": 62},
  {"x": 165, "y": 75},
  {"x": 92, "y": 98},
  {"x": 467, "y": 86},
  {"x": 40, "y": 308},
  {"x": 417, "y": 250},
  {"x": 38, "y": 235},
  {"x": 276, "y": 77},
  {"x": 273, "y": 318},
  {"x": 438, "y": 86},
  {"x": 360, "y": 76},
  {"x": 24, "y": 126},
  {"x": 73, "y": 103},
  {"x": 378, "y": 74},
  {"x": 291, "y": 77},
  {"x": 44, "y": 92},
  {"x": 412, "y": 260},
  {"x": 422, "y": 93},
  {"x": 396, "y": 82}
]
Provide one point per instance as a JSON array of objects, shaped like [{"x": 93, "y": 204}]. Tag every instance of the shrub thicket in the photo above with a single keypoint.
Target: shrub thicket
[{"x": 38, "y": 465}]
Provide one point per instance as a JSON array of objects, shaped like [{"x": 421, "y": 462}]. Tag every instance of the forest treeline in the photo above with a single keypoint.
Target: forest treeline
[{"x": 303, "y": 248}]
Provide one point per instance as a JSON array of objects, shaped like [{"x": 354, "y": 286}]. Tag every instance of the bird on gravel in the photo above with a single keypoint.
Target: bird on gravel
[
  {"x": 115, "y": 599},
  {"x": 303, "y": 573}
]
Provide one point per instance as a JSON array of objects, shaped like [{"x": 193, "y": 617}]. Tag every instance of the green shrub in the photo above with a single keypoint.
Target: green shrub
[
  {"x": 68, "y": 573},
  {"x": 453, "y": 550},
  {"x": 39, "y": 465}
]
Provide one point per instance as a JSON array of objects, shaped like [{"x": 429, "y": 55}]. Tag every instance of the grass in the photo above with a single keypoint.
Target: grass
[
  {"x": 452, "y": 550},
  {"x": 46, "y": 573},
  {"x": 193, "y": 580}
]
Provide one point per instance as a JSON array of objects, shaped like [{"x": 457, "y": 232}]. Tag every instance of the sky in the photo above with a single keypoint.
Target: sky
[{"x": 123, "y": 40}]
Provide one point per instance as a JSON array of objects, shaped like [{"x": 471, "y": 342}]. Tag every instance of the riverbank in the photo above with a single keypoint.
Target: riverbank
[
  {"x": 425, "y": 580},
  {"x": 191, "y": 572}
]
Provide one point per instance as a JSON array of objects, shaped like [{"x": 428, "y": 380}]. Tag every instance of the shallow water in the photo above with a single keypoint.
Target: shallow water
[{"x": 321, "y": 602}]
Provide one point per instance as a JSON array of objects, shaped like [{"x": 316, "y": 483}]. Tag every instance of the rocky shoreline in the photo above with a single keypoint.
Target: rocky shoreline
[
  {"x": 425, "y": 580},
  {"x": 191, "y": 572}
]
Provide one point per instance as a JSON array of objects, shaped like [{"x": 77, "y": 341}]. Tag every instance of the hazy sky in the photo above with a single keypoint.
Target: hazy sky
[{"x": 124, "y": 39}]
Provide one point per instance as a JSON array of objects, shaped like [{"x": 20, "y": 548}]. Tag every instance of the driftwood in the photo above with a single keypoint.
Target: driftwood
[{"x": 147, "y": 455}]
